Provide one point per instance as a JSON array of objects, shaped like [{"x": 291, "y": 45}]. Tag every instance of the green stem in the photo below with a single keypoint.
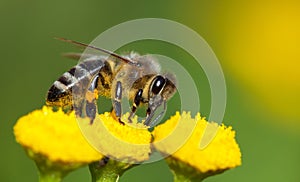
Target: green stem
[
  {"x": 104, "y": 174},
  {"x": 179, "y": 177},
  {"x": 108, "y": 171},
  {"x": 183, "y": 172},
  {"x": 51, "y": 171},
  {"x": 50, "y": 177}
]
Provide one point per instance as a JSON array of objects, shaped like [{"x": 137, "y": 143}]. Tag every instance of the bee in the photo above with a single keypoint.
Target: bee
[{"x": 133, "y": 76}]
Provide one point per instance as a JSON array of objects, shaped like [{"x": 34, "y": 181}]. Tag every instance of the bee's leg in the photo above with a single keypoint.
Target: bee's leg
[
  {"x": 117, "y": 101},
  {"x": 91, "y": 100},
  {"x": 91, "y": 110},
  {"x": 149, "y": 116},
  {"x": 156, "y": 120},
  {"x": 137, "y": 99},
  {"x": 150, "y": 113}
]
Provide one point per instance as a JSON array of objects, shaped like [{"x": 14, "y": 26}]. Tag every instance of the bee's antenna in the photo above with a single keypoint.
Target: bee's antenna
[{"x": 96, "y": 48}]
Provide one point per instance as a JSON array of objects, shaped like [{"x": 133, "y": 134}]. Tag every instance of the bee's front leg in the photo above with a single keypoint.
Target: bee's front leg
[
  {"x": 156, "y": 119},
  {"x": 151, "y": 111},
  {"x": 137, "y": 99},
  {"x": 117, "y": 101}
]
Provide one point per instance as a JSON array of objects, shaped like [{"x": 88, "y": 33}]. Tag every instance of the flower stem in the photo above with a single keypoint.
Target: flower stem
[
  {"x": 108, "y": 170},
  {"x": 50, "y": 177},
  {"x": 50, "y": 171},
  {"x": 104, "y": 174},
  {"x": 178, "y": 177},
  {"x": 183, "y": 172}
]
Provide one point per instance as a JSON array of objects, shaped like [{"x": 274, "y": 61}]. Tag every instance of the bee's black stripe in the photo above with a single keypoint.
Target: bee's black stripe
[
  {"x": 54, "y": 93},
  {"x": 72, "y": 71},
  {"x": 64, "y": 80},
  {"x": 73, "y": 84}
]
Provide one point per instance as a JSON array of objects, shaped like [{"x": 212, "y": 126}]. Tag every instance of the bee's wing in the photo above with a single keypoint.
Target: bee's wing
[
  {"x": 97, "y": 49},
  {"x": 77, "y": 56}
]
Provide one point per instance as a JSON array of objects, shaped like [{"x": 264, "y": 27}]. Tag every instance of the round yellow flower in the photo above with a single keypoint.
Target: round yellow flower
[
  {"x": 127, "y": 142},
  {"x": 180, "y": 138},
  {"x": 55, "y": 141},
  {"x": 54, "y": 135}
]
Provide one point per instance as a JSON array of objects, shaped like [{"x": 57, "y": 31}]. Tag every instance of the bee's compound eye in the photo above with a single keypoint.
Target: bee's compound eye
[{"x": 158, "y": 84}]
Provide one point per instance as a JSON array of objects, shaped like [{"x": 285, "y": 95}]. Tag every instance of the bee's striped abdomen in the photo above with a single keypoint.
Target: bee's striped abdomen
[{"x": 74, "y": 82}]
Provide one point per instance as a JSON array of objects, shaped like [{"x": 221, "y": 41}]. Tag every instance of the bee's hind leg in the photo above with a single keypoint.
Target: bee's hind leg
[
  {"x": 91, "y": 96},
  {"x": 117, "y": 107},
  {"x": 91, "y": 110}
]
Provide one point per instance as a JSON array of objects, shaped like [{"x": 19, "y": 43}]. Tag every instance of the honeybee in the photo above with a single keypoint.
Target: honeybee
[{"x": 134, "y": 76}]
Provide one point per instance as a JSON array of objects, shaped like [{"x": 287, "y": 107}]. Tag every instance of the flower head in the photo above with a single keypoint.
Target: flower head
[
  {"x": 57, "y": 145},
  {"x": 120, "y": 141},
  {"x": 54, "y": 141},
  {"x": 173, "y": 138},
  {"x": 55, "y": 135}
]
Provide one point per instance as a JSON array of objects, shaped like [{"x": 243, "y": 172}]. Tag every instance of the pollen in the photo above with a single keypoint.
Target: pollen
[
  {"x": 96, "y": 93},
  {"x": 180, "y": 136},
  {"x": 121, "y": 141},
  {"x": 55, "y": 135}
]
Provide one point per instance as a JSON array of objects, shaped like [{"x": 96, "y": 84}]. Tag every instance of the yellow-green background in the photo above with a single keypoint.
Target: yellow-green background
[{"x": 257, "y": 43}]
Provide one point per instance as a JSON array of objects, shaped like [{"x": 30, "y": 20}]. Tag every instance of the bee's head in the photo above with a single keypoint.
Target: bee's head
[
  {"x": 161, "y": 89},
  {"x": 163, "y": 86},
  {"x": 154, "y": 90}
]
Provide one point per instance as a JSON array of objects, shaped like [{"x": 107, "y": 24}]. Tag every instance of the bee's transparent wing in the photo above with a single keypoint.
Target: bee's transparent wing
[{"x": 77, "y": 56}]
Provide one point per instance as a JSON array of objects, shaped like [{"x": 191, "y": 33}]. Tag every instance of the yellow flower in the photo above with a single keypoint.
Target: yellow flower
[
  {"x": 180, "y": 138},
  {"x": 54, "y": 135},
  {"x": 57, "y": 145},
  {"x": 54, "y": 141},
  {"x": 125, "y": 145},
  {"x": 124, "y": 142}
]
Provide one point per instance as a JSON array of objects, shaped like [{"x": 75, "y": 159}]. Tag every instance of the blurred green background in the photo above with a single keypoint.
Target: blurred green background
[{"x": 256, "y": 42}]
